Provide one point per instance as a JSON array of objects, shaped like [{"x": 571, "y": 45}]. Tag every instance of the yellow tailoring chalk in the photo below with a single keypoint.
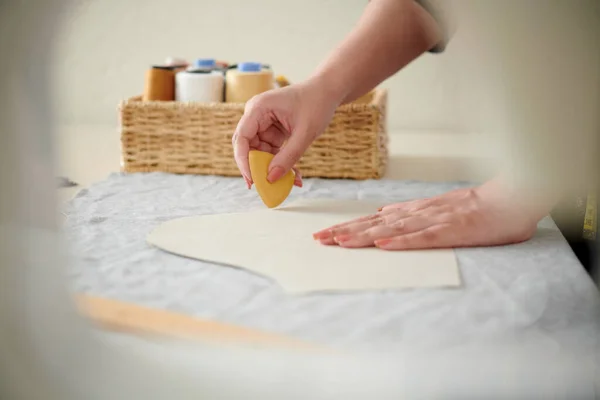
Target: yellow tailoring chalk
[{"x": 272, "y": 194}]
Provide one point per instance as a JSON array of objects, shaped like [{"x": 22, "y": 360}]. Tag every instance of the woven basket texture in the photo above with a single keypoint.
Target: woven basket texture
[{"x": 195, "y": 138}]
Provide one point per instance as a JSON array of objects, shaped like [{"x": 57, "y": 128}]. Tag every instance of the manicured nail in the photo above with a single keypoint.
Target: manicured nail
[
  {"x": 321, "y": 235},
  {"x": 274, "y": 174},
  {"x": 342, "y": 238}
]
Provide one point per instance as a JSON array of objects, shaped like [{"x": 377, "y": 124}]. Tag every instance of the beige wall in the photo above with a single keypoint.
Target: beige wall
[
  {"x": 106, "y": 45},
  {"x": 511, "y": 85}
]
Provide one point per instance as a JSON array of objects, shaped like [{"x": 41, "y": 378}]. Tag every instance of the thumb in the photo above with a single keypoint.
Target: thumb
[{"x": 289, "y": 154}]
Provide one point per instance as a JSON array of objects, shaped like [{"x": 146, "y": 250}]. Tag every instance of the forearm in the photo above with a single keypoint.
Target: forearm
[{"x": 389, "y": 35}]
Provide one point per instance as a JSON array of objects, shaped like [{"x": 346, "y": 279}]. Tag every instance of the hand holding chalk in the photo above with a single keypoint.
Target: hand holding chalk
[{"x": 295, "y": 115}]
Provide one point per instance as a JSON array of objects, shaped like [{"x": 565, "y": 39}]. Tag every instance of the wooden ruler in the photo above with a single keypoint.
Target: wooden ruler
[{"x": 130, "y": 318}]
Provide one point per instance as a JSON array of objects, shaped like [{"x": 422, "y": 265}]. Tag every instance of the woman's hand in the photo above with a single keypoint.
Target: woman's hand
[
  {"x": 296, "y": 114},
  {"x": 482, "y": 216}
]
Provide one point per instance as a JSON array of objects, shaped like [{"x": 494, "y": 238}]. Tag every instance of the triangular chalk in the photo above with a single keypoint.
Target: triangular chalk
[{"x": 272, "y": 194}]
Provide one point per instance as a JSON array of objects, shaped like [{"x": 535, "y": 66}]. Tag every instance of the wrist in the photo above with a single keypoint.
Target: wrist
[
  {"x": 332, "y": 90},
  {"x": 533, "y": 204}
]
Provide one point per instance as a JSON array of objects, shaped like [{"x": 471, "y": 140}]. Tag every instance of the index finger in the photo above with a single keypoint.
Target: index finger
[
  {"x": 246, "y": 129},
  {"x": 326, "y": 233},
  {"x": 241, "y": 149}
]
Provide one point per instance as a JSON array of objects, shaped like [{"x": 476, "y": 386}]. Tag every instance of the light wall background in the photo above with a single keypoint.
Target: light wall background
[
  {"x": 507, "y": 69},
  {"x": 106, "y": 46}
]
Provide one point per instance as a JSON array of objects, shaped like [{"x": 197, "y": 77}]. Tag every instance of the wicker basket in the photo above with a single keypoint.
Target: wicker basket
[{"x": 195, "y": 138}]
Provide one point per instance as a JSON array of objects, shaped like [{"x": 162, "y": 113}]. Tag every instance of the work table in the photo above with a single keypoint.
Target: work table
[{"x": 534, "y": 291}]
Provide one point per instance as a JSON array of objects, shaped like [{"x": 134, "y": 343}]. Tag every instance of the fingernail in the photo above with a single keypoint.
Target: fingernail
[
  {"x": 321, "y": 235},
  {"x": 274, "y": 174},
  {"x": 342, "y": 238},
  {"x": 380, "y": 209}
]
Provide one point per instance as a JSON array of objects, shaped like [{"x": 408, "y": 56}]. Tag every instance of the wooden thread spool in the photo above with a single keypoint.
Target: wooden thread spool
[
  {"x": 160, "y": 84},
  {"x": 246, "y": 81}
]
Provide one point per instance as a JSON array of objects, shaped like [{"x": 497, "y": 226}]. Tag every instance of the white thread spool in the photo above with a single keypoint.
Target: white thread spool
[{"x": 200, "y": 86}]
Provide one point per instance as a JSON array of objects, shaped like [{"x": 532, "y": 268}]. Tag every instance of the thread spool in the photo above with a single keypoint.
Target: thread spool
[
  {"x": 159, "y": 84},
  {"x": 246, "y": 81},
  {"x": 199, "y": 86}
]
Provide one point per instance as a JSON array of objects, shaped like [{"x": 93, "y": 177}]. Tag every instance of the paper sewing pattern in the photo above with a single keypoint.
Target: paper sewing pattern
[{"x": 278, "y": 244}]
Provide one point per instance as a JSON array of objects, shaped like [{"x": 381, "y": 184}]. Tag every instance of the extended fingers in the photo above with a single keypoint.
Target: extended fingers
[
  {"x": 253, "y": 121},
  {"x": 244, "y": 133},
  {"x": 436, "y": 236},
  {"x": 347, "y": 226},
  {"x": 369, "y": 236},
  {"x": 241, "y": 151},
  {"x": 350, "y": 230}
]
